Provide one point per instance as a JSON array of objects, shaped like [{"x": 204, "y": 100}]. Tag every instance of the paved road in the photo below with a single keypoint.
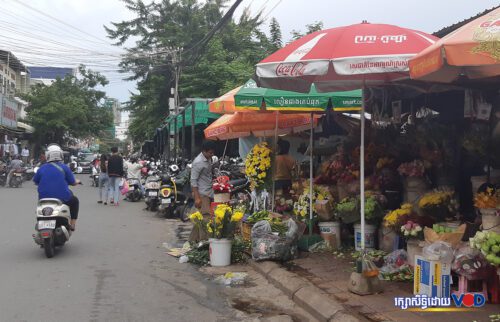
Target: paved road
[{"x": 113, "y": 268}]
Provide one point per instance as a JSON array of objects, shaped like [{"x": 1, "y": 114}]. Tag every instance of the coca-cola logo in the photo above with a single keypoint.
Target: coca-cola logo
[{"x": 291, "y": 69}]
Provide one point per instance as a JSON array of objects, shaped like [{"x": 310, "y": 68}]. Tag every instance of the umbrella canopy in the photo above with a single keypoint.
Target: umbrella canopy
[
  {"x": 225, "y": 103},
  {"x": 252, "y": 97},
  {"x": 343, "y": 58},
  {"x": 472, "y": 50},
  {"x": 232, "y": 126}
]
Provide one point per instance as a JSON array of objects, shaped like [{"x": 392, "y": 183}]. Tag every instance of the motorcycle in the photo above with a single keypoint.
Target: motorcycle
[
  {"x": 134, "y": 190},
  {"x": 16, "y": 181},
  {"x": 172, "y": 200},
  {"x": 3, "y": 178},
  {"x": 29, "y": 173},
  {"x": 94, "y": 177},
  {"x": 152, "y": 189},
  {"x": 52, "y": 226}
]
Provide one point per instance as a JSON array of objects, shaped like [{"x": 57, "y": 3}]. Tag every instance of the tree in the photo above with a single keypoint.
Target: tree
[
  {"x": 68, "y": 109},
  {"x": 310, "y": 28},
  {"x": 168, "y": 29},
  {"x": 275, "y": 34}
]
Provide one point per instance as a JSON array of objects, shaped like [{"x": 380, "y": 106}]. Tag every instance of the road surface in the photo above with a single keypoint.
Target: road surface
[{"x": 113, "y": 269}]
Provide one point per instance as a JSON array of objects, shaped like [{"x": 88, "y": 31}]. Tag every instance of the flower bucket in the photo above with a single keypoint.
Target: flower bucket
[
  {"x": 222, "y": 197},
  {"x": 491, "y": 221},
  {"x": 388, "y": 239},
  {"x": 414, "y": 247},
  {"x": 330, "y": 232},
  {"x": 414, "y": 188},
  {"x": 220, "y": 251},
  {"x": 370, "y": 236},
  {"x": 476, "y": 182}
]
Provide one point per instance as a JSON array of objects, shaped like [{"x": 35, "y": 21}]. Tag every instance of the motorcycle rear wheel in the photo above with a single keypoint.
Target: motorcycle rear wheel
[{"x": 48, "y": 246}]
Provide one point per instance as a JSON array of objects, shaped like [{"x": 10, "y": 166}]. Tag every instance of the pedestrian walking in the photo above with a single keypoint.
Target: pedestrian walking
[
  {"x": 115, "y": 173},
  {"x": 103, "y": 179}
]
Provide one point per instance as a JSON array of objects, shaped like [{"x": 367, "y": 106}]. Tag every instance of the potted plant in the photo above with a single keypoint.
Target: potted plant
[
  {"x": 488, "y": 203},
  {"x": 222, "y": 189},
  {"x": 413, "y": 233},
  {"x": 391, "y": 225},
  {"x": 220, "y": 230},
  {"x": 439, "y": 204},
  {"x": 415, "y": 183}
]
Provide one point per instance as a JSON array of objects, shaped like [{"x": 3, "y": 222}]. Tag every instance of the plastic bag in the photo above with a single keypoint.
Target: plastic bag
[
  {"x": 124, "y": 188},
  {"x": 470, "y": 263},
  {"x": 396, "y": 267},
  {"x": 268, "y": 246},
  {"x": 394, "y": 261},
  {"x": 438, "y": 251}
]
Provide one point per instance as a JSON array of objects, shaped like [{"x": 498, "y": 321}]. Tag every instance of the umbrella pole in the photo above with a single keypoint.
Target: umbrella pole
[
  {"x": 275, "y": 155},
  {"x": 311, "y": 175},
  {"x": 362, "y": 169}
]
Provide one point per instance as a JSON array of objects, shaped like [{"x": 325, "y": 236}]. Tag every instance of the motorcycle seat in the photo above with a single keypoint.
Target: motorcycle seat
[{"x": 237, "y": 182}]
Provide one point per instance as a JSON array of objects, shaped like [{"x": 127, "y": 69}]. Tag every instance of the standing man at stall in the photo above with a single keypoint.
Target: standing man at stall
[{"x": 201, "y": 185}]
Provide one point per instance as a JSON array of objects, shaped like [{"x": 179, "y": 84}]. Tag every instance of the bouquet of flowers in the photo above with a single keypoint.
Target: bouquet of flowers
[
  {"x": 301, "y": 207},
  {"x": 412, "y": 230},
  {"x": 283, "y": 205},
  {"x": 222, "y": 185},
  {"x": 489, "y": 199},
  {"x": 415, "y": 168},
  {"x": 258, "y": 164},
  {"x": 393, "y": 218},
  {"x": 224, "y": 222},
  {"x": 440, "y": 204}
]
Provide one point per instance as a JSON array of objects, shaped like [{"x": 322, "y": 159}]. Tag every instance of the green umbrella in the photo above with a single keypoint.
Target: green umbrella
[{"x": 252, "y": 97}]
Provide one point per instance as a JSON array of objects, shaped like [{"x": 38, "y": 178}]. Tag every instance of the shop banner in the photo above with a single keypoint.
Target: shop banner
[{"x": 8, "y": 114}]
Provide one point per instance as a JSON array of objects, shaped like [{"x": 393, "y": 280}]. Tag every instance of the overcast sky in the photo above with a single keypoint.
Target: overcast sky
[{"x": 27, "y": 31}]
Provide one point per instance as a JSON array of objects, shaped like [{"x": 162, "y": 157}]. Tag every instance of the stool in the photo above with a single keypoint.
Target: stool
[{"x": 463, "y": 286}]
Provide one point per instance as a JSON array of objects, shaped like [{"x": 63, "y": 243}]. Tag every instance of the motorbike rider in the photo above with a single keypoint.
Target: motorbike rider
[
  {"x": 134, "y": 171},
  {"x": 53, "y": 180},
  {"x": 15, "y": 164}
]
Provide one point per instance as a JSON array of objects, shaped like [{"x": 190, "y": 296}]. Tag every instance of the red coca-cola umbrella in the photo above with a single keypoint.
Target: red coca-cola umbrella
[{"x": 344, "y": 58}]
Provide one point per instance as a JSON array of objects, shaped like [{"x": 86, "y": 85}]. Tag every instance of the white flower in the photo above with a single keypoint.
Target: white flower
[
  {"x": 418, "y": 228},
  {"x": 413, "y": 232},
  {"x": 407, "y": 233}
]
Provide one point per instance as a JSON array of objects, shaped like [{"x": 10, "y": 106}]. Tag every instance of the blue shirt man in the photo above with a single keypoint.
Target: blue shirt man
[{"x": 53, "y": 179}]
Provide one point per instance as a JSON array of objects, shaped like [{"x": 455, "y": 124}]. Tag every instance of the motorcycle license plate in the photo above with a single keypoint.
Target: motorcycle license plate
[
  {"x": 153, "y": 194},
  {"x": 46, "y": 224},
  {"x": 17, "y": 174},
  {"x": 167, "y": 201},
  {"x": 131, "y": 188}
]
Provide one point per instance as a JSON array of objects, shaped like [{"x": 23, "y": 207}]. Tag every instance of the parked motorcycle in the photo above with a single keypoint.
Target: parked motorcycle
[
  {"x": 152, "y": 189},
  {"x": 134, "y": 190},
  {"x": 52, "y": 226}
]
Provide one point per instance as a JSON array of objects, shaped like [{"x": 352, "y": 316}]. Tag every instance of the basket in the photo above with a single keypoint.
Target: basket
[{"x": 246, "y": 231}]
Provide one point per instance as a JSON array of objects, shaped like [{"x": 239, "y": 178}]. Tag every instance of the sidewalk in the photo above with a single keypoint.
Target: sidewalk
[{"x": 331, "y": 275}]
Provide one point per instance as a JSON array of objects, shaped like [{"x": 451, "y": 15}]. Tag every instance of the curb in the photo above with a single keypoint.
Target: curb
[{"x": 304, "y": 293}]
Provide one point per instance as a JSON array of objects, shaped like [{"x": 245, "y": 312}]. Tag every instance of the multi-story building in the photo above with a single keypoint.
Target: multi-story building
[
  {"x": 48, "y": 75},
  {"x": 115, "y": 106}
]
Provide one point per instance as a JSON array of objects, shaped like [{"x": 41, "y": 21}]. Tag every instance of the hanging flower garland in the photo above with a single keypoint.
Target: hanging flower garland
[{"x": 258, "y": 164}]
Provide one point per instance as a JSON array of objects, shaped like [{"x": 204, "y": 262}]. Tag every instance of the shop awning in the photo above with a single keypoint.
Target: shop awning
[
  {"x": 252, "y": 97},
  {"x": 202, "y": 115},
  {"x": 27, "y": 128}
]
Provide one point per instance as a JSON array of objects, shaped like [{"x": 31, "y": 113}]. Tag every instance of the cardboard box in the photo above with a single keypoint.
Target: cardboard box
[{"x": 431, "y": 278}]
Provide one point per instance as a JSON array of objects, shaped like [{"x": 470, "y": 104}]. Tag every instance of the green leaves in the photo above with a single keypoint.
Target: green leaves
[{"x": 68, "y": 109}]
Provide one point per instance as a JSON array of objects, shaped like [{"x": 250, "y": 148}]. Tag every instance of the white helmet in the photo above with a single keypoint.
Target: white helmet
[{"x": 54, "y": 153}]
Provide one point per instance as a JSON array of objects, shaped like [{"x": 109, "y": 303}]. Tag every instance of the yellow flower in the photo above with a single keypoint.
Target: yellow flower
[
  {"x": 209, "y": 227},
  {"x": 197, "y": 216},
  {"x": 237, "y": 216}
]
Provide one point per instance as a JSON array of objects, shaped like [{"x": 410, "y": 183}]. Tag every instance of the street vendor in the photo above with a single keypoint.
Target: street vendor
[
  {"x": 201, "y": 185},
  {"x": 285, "y": 165}
]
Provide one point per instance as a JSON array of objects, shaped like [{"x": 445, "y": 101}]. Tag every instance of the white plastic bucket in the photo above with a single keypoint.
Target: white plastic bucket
[
  {"x": 370, "y": 236},
  {"x": 476, "y": 182},
  {"x": 220, "y": 251},
  {"x": 330, "y": 228}
]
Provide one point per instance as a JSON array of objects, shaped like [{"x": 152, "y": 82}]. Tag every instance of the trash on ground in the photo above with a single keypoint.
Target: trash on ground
[{"x": 232, "y": 278}]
